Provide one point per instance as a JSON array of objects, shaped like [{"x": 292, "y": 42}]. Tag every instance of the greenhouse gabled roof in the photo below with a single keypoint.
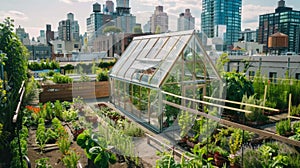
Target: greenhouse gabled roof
[{"x": 148, "y": 59}]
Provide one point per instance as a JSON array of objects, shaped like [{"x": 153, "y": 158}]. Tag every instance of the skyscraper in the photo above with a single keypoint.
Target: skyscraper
[
  {"x": 186, "y": 21},
  {"x": 68, "y": 30},
  {"x": 285, "y": 20},
  {"x": 23, "y": 36},
  {"x": 124, "y": 19},
  {"x": 109, "y": 6},
  {"x": 159, "y": 20},
  {"x": 95, "y": 23},
  {"x": 222, "y": 14}
]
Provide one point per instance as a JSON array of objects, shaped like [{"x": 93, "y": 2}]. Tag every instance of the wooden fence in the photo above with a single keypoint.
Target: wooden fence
[{"x": 66, "y": 92}]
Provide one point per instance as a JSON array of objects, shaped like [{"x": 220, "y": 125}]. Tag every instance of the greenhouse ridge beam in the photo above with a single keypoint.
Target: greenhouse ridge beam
[{"x": 236, "y": 125}]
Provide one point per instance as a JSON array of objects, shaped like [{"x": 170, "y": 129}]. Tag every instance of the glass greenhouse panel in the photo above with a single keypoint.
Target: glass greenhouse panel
[
  {"x": 163, "y": 53},
  {"x": 131, "y": 59},
  {"x": 119, "y": 64},
  {"x": 148, "y": 47},
  {"x": 157, "y": 47}
]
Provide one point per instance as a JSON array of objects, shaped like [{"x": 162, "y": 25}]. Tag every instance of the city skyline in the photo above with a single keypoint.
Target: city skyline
[{"x": 35, "y": 14}]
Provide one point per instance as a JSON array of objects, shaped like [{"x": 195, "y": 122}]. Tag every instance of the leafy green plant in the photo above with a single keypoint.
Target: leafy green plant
[
  {"x": 256, "y": 113},
  {"x": 166, "y": 161},
  {"x": 102, "y": 75},
  {"x": 70, "y": 115},
  {"x": 95, "y": 151},
  {"x": 43, "y": 163},
  {"x": 185, "y": 122},
  {"x": 58, "y": 78},
  {"x": 71, "y": 159},
  {"x": 283, "y": 127},
  {"x": 131, "y": 129},
  {"x": 64, "y": 145},
  {"x": 41, "y": 134}
]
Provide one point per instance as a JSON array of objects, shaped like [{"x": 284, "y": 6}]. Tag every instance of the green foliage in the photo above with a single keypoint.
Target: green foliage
[
  {"x": 237, "y": 86},
  {"x": 15, "y": 71},
  {"x": 131, "y": 129},
  {"x": 111, "y": 29},
  {"x": 137, "y": 30},
  {"x": 102, "y": 75},
  {"x": 95, "y": 151},
  {"x": 221, "y": 61},
  {"x": 166, "y": 161},
  {"x": 43, "y": 163},
  {"x": 185, "y": 121},
  {"x": 70, "y": 115},
  {"x": 41, "y": 135},
  {"x": 283, "y": 127},
  {"x": 295, "y": 110},
  {"x": 34, "y": 66},
  {"x": 235, "y": 141},
  {"x": 71, "y": 159},
  {"x": 14, "y": 146},
  {"x": 58, "y": 78},
  {"x": 30, "y": 91},
  {"x": 64, "y": 145},
  {"x": 256, "y": 113}
]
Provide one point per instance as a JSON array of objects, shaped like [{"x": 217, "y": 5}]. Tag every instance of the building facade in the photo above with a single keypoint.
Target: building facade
[
  {"x": 284, "y": 20},
  {"x": 159, "y": 21},
  {"x": 38, "y": 52},
  {"x": 221, "y": 14},
  {"x": 68, "y": 30},
  {"x": 185, "y": 21},
  {"x": 248, "y": 35},
  {"x": 270, "y": 66},
  {"x": 23, "y": 36}
]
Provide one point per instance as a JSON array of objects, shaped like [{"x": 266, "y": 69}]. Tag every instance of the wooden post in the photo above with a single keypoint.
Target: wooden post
[
  {"x": 265, "y": 94},
  {"x": 290, "y": 104}
]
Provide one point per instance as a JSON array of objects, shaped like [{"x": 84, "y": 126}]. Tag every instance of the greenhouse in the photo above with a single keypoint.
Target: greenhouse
[{"x": 158, "y": 75}]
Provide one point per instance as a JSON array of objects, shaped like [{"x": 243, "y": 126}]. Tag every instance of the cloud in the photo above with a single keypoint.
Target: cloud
[
  {"x": 251, "y": 12},
  {"x": 74, "y": 1},
  {"x": 16, "y": 15}
]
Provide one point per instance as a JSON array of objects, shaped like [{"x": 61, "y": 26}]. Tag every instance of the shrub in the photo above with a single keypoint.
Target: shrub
[
  {"x": 283, "y": 127},
  {"x": 57, "y": 78},
  {"x": 102, "y": 75}
]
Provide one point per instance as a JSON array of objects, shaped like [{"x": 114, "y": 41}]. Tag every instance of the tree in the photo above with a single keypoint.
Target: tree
[
  {"x": 157, "y": 30},
  {"x": 137, "y": 30},
  {"x": 111, "y": 29},
  {"x": 15, "y": 69}
]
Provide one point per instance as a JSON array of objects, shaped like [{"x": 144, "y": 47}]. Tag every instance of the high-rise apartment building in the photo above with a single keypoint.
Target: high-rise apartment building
[
  {"x": 124, "y": 19},
  {"x": 284, "y": 20},
  {"x": 68, "y": 30},
  {"x": 248, "y": 35},
  {"x": 185, "y": 21},
  {"x": 159, "y": 21},
  {"x": 222, "y": 16},
  {"x": 23, "y": 36},
  {"x": 109, "y": 6},
  {"x": 49, "y": 33}
]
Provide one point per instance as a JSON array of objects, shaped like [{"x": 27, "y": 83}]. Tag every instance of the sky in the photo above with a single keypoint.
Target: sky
[{"x": 33, "y": 15}]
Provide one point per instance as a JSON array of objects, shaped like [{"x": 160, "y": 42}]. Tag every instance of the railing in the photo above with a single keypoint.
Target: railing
[{"x": 15, "y": 119}]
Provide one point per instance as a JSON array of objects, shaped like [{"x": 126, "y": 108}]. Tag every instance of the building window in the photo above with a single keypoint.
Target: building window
[
  {"x": 297, "y": 76},
  {"x": 76, "y": 46},
  {"x": 273, "y": 76},
  {"x": 59, "y": 45}
]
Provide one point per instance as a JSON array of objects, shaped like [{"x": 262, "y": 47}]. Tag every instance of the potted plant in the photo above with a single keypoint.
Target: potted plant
[{"x": 235, "y": 143}]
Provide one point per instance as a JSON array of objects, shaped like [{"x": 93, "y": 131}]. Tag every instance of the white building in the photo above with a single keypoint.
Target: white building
[
  {"x": 185, "y": 21},
  {"x": 159, "y": 20}
]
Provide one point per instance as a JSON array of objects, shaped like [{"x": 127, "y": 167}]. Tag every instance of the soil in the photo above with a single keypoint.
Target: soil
[{"x": 55, "y": 155}]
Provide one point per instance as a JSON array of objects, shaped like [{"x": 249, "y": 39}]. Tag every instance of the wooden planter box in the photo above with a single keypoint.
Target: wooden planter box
[{"x": 66, "y": 92}]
